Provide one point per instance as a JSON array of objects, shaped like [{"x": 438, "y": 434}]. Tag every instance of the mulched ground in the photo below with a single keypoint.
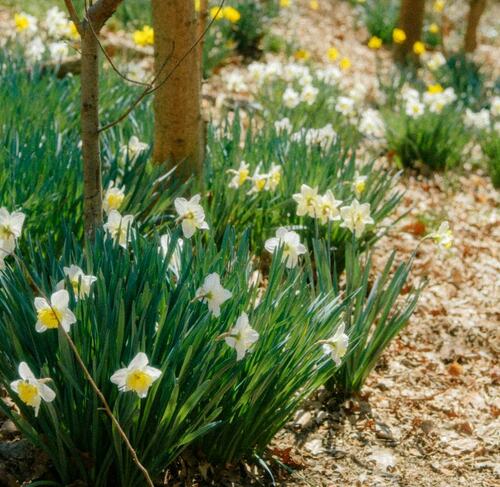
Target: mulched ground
[{"x": 429, "y": 414}]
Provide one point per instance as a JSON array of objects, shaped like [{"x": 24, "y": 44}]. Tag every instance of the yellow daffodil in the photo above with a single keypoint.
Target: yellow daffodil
[
  {"x": 21, "y": 21},
  {"x": 231, "y": 14},
  {"x": 302, "y": 55},
  {"x": 375, "y": 43},
  {"x": 438, "y": 6},
  {"x": 434, "y": 89},
  {"x": 332, "y": 53},
  {"x": 434, "y": 28},
  {"x": 144, "y": 37},
  {"x": 197, "y": 5},
  {"x": 240, "y": 175},
  {"x": 284, "y": 3},
  {"x": 419, "y": 48},
  {"x": 398, "y": 36},
  {"x": 345, "y": 64},
  {"x": 314, "y": 4}
]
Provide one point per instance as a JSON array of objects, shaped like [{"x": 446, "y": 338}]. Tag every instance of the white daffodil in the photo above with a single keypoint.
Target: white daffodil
[
  {"x": 327, "y": 208},
  {"x": 283, "y": 126},
  {"x": 80, "y": 282},
  {"x": 345, "y": 106},
  {"x": 7, "y": 247},
  {"x": 355, "y": 217},
  {"x": 58, "y": 51},
  {"x": 290, "y": 98},
  {"x": 51, "y": 315},
  {"x": 137, "y": 377},
  {"x": 443, "y": 236},
  {"x": 336, "y": 346},
  {"x": 134, "y": 147},
  {"x": 414, "y": 108},
  {"x": 212, "y": 293},
  {"x": 259, "y": 182},
  {"x": 309, "y": 94},
  {"x": 191, "y": 214},
  {"x": 292, "y": 248},
  {"x": 273, "y": 177},
  {"x": 11, "y": 224},
  {"x": 307, "y": 201},
  {"x": 241, "y": 337},
  {"x": 113, "y": 198},
  {"x": 359, "y": 184},
  {"x": 119, "y": 227},
  {"x": 176, "y": 259},
  {"x": 30, "y": 389},
  {"x": 240, "y": 175}
]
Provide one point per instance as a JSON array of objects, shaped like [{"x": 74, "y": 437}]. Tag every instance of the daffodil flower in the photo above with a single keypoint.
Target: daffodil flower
[
  {"x": 259, "y": 182},
  {"x": 54, "y": 314},
  {"x": 307, "y": 201},
  {"x": 134, "y": 147},
  {"x": 191, "y": 214},
  {"x": 7, "y": 247},
  {"x": 212, "y": 293},
  {"x": 176, "y": 259},
  {"x": 137, "y": 377},
  {"x": 359, "y": 184},
  {"x": 355, "y": 217},
  {"x": 80, "y": 282},
  {"x": 327, "y": 208},
  {"x": 443, "y": 236},
  {"x": 240, "y": 175},
  {"x": 119, "y": 227},
  {"x": 398, "y": 36},
  {"x": 11, "y": 224},
  {"x": 337, "y": 345},
  {"x": 241, "y": 337},
  {"x": 292, "y": 248},
  {"x": 30, "y": 389},
  {"x": 273, "y": 177},
  {"x": 113, "y": 199}
]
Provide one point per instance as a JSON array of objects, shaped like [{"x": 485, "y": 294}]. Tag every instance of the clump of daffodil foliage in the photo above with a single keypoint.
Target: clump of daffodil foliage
[{"x": 177, "y": 334}]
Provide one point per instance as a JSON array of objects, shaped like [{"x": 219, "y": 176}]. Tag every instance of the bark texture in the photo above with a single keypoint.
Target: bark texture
[
  {"x": 411, "y": 20},
  {"x": 476, "y": 10},
  {"x": 179, "y": 134},
  {"x": 89, "y": 27},
  {"x": 92, "y": 206}
]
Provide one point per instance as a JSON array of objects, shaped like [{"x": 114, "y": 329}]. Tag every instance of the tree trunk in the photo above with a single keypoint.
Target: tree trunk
[
  {"x": 476, "y": 10},
  {"x": 92, "y": 205},
  {"x": 411, "y": 20},
  {"x": 179, "y": 139}
]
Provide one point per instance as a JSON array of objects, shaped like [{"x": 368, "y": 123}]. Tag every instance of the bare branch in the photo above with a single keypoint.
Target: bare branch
[
  {"x": 100, "y": 11},
  {"x": 152, "y": 89},
  {"x": 73, "y": 15},
  {"x": 110, "y": 61}
]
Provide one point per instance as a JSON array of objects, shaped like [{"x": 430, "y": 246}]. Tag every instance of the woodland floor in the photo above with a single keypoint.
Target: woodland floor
[{"x": 429, "y": 414}]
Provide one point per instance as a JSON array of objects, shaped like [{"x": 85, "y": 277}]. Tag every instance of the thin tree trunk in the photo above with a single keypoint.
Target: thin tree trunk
[
  {"x": 179, "y": 139},
  {"x": 476, "y": 10},
  {"x": 411, "y": 20},
  {"x": 92, "y": 205}
]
